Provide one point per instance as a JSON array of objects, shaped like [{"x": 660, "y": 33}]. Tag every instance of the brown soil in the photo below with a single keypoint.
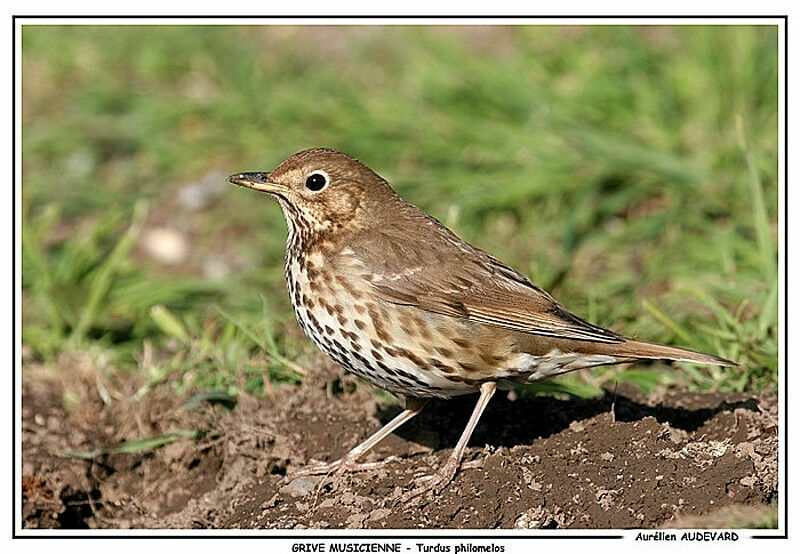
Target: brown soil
[{"x": 622, "y": 461}]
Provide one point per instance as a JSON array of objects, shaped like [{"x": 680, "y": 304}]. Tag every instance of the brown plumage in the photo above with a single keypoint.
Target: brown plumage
[{"x": 395, "y": 297}]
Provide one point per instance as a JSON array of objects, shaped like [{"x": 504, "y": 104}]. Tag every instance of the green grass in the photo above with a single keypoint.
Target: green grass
[
  {"x": 140, "y": 445},
  {"x": 631, "y": 171}
]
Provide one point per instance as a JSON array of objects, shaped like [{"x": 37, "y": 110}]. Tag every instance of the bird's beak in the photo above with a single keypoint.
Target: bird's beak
[{"x": 257, "y": 181}]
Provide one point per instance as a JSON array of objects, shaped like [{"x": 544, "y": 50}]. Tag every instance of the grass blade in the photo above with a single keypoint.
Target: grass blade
[
  {"x": 134, "y": 446},
  {"x": 667, "y": 321},
  {"x": 760, "y": 218},
  {"x": 270, "y": 349},
  {"x": 168, "y": 323},
  {"x": 769, "y": 309},
  {"x": 101, "y": 284}
]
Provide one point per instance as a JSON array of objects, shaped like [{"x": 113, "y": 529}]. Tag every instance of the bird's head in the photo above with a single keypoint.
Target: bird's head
[{"x": 322, "y": 190}]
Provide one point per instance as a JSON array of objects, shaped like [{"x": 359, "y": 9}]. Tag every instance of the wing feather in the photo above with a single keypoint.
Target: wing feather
[{"x": 439, "y": 273}]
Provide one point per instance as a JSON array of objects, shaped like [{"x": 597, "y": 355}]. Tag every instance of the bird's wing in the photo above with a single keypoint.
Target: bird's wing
[{"x": 439, "y": 273}]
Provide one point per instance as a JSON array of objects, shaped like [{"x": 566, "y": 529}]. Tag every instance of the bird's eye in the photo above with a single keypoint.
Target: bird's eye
[{"x": 316, "y": 181}]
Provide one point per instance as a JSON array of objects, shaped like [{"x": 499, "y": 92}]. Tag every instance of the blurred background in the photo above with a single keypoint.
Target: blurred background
[{"x": 630, "y": 171}]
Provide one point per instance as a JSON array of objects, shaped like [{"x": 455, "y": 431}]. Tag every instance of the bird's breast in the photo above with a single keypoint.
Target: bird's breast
[
  {"x": 405, "y": 349},
  {"x": 399, "y": 348}
]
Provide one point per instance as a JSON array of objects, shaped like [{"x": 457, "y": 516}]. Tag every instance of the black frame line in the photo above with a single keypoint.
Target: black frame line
[
  {"x": 14, "y": 18},
  {"x": 338, "y": 16},
  {"x": 786, "y": 284}
]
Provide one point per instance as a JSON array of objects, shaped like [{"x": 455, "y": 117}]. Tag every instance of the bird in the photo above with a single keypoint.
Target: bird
[{"x": 396, "y": 298}]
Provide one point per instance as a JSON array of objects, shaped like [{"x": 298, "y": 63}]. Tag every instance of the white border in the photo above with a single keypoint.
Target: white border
[{"x": 492, "y": 535}]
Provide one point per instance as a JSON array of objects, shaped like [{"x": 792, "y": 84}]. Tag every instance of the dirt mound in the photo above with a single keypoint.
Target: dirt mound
[{"x": 624, "y": 460}]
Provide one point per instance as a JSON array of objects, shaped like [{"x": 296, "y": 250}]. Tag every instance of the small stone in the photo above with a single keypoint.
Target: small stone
[
  {"x": 165, "y": 245},
  {"x": 215, "y": 268},
  {"x": 749, "y": 480},
  {"x": 201, "y": 194},
  {"x": 379, "y": 514},
  {"x": 301, "y": 486}
]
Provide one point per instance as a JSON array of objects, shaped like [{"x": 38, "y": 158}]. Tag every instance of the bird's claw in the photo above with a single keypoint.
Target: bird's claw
[
  {"x": 334, "y": 471},
  {"x": 434, "y": 483}
]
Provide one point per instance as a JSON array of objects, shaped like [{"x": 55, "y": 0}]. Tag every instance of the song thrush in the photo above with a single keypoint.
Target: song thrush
[{"x": 396, "y": 298}]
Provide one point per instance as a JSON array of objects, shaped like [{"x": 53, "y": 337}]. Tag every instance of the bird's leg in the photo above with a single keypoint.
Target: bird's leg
[
  {"x": 441, "y": 478},
  {"x": 349, "y": 461}
]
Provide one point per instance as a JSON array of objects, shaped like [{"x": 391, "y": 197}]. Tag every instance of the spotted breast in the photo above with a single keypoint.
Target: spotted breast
[{"x": 392, "y": 349}]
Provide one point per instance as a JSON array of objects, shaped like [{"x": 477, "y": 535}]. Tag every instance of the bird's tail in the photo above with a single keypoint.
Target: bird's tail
[{"x": 650, "y": 351}]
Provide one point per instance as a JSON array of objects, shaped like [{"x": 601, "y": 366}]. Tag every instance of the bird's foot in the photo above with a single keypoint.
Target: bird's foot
[
  {"x": 435, "y": 483},
  {"x": 334, "y": 471}
]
